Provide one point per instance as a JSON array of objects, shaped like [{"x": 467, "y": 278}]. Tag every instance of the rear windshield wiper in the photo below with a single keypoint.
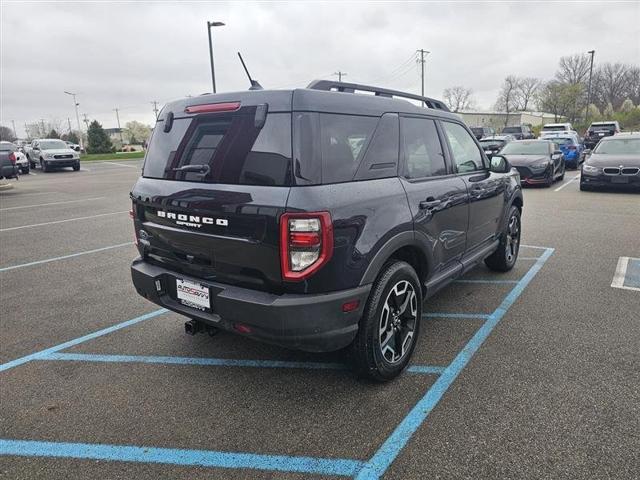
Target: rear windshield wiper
[{"x": 201, "y": 169}]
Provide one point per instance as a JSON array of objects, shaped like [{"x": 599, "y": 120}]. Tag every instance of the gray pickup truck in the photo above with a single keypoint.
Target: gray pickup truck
[
  {"x": 8, "y": 167},
  {"x": 51, "y": 153}
]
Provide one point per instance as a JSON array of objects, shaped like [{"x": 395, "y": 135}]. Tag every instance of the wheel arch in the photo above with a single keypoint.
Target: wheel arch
[{"x": 405, "y": 247}]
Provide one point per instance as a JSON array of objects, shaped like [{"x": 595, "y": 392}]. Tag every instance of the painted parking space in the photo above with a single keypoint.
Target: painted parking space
[
  {"x": 627, "y": 275},
  {"x": 471, "y": 322}
]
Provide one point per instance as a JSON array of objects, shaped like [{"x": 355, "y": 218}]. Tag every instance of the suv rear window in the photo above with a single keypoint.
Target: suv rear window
[
  {"x": 233, "y": 148},
  {"x": 512, "y": 130}
]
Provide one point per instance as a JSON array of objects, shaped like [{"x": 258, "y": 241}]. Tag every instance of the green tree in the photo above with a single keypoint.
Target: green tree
[
  {"x": 99, "y": 141},
  {"x": 562, "y": 99},
  {"x": 6, "y": 134},
  {"x": 53, "y": 134}
]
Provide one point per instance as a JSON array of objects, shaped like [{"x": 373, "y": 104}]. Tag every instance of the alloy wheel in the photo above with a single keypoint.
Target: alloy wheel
[
  {"x": 398, "y": 322},
  {"x": 513, "y": 239}
]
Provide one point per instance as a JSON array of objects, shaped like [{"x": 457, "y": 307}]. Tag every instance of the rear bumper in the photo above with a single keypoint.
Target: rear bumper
[
  {"x": 313, "y": 322},
  {"x": 9, "y": 171}
]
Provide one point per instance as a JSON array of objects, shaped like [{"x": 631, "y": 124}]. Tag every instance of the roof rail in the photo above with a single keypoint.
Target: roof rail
[{"x": 330, "y": 85}]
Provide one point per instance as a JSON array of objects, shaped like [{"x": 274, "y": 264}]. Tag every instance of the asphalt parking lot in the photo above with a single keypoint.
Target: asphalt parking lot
[{"x": 531, "y": 374}]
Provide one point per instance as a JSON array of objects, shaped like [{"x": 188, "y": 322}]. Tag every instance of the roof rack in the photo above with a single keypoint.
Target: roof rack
[{"x": 330, "y": 85}]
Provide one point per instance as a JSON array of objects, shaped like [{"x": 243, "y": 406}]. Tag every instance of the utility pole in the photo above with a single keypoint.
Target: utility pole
[
  {"x": 26, "y": 131},
  {"x": 76, "y": 104},
  {"x": 592, "y": 53},
  {"x": 14, "y": 128},
  {"x": 69, "y": 122},
  {"x": 86, "y": 122},
  {"x": 155, "y": 108},
  {"x": 340, "y": 74},
  {"x": 422, "y": 61},
  {"x": 213, "y": 72},
  {"x": 44, "y": 134},
  {"x": 119, "y": 129}
]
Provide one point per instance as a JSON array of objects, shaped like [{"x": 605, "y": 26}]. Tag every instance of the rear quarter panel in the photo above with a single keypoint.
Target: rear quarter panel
[{"x": 365, "y": 216}]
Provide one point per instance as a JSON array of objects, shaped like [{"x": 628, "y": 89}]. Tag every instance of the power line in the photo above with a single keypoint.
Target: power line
[{"x": 403, "y": 65}]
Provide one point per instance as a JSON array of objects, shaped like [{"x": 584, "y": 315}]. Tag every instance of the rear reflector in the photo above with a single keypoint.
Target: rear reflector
[
  {"x": 213, "y": 107},
  {"x": 350, "y": 306},
  {"x": 242, "y": 328}
]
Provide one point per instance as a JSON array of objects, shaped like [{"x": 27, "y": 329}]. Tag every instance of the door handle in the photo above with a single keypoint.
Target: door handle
[{"x": 429, "y": 204}]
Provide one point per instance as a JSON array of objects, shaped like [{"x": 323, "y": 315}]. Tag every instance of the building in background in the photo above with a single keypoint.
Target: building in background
[
  {"x": 114, "y": 133},
  {"x": 498, "y": 120}
]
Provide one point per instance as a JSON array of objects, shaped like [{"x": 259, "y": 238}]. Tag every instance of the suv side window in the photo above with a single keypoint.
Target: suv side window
[
  {"x": 422, "y": 149},
  {"x": 466, "y": 154},
  {"x": 344, "y": 139}
]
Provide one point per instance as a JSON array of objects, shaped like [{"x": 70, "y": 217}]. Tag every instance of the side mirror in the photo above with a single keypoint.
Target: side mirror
[
  {"x": 587, "y": 152},
  {"x": 557, "y": 152},
  {"x": 499, "y": 164}
]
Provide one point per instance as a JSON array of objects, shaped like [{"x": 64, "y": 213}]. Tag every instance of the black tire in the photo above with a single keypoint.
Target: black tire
[
  {"x": 584, "y": 188},
  {"x": 505, "y": 256},
  {"x": 564, "y": 169},
  {"x": 25, "y": 170},
  {"x": 44, "y": 166},
  {"x": 550, "y": 180},
  {"x": 76, "y": 167},
  {"x": 397, "y": 289}
]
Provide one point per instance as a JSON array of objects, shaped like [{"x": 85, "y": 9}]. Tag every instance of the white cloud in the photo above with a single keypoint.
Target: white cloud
[{"x": 127, "y": 54}]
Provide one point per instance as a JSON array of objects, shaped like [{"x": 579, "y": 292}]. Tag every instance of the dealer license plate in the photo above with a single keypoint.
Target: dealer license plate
[
  {"x": 619, "y": 179},
  {"x": 193, "y": 294}
]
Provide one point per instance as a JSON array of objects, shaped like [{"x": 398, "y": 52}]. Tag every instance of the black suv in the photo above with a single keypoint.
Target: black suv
[
  {"x": 521, "y": 132},
  {"x": 482, "y": 132},
  {"x": 317, "y": 218}
]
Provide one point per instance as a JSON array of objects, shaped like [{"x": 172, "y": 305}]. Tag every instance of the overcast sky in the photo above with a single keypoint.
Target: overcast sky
[{"x": 125, "y": 55}]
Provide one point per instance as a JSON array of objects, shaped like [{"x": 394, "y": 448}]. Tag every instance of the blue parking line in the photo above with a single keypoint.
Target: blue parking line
[
  {"x": 487, "y": 280},
  {"x": 64, "y": 257},
  {"x": 632, "y": 277},
  {"x": 393, "y": 445},
  {"x": 71, "y": 343},
  {"x": 196, "y": 458},
  {"x": 216, "y": 362},
  {"x": 470, "y": 316}
]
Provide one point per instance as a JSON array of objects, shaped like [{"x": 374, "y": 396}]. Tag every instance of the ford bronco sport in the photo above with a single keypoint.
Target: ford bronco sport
[{"x": 318, "y": 218}]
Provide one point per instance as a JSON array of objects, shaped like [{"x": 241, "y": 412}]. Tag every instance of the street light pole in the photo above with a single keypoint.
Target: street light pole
[
  {"x": 592, "y": 53},
  {"x": 77, "y": 117},
  {"x": 119, "y": 129},
  {"x": 213, "y": 72}
]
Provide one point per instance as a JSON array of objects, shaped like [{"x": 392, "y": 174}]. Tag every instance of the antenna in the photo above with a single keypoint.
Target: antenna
[{"x": 254, "y": 83}]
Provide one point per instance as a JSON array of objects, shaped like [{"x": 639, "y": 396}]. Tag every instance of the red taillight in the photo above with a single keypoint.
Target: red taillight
[
  {"x": 12, "y": 158},
  {"x": 306, "y": 243},
  {"x": 213, "y": 107}
]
